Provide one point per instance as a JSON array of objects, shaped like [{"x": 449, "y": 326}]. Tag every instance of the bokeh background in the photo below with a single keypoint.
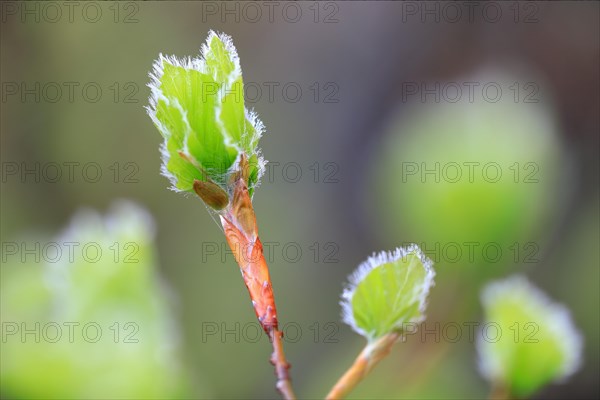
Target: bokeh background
[{"x": 341, "y": 185}]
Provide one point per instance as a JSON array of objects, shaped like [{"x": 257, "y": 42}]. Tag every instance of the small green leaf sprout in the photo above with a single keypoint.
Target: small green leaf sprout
[
  {"x": 386, "y": 291},
  {"x": 197, "y": 104}
]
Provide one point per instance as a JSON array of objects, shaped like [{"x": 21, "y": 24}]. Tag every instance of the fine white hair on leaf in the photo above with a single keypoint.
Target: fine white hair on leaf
[
  {"x": 151, "y": 110},
  {"x": 155, "y": 75},
  {"x": 261, "y": 167},
  {"x": 556, "y": 317},
  {"x": 229, "y": 48},
  {"x": 166, "y": 156},
  {"x": 259, "y": 127},
  {"x": 375, "y": 261}
]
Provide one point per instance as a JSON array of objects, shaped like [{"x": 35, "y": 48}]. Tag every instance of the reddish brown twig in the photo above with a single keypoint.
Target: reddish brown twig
[
  {"x": 284, "y": 384},
  {"x": 241, "y": 231}
]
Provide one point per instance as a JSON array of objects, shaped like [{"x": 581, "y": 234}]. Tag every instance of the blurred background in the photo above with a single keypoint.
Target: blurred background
[{"x": 469, "y": 129}]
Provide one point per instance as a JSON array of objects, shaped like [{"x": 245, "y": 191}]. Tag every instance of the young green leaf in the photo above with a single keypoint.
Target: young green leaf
[
  {"x": 198, "y": 107},
  {"x": 528, "y": 341},
  {"x": 388, "y": 291}
]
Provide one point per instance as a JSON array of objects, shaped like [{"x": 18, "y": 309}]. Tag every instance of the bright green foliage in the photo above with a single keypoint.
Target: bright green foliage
[
  {"x": 98, "y": 326},
  {"x": 388, "y": 291},
  {"x": 198, "y": 107},
  {"x": 527, "y": 341}
]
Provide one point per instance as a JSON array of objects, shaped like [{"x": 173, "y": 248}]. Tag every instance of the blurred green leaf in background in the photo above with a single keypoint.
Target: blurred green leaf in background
[
  {"x": 532, "y": 341},
  {"x": 93, "y": 324},
  {"x": 467, "y": 180}
]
